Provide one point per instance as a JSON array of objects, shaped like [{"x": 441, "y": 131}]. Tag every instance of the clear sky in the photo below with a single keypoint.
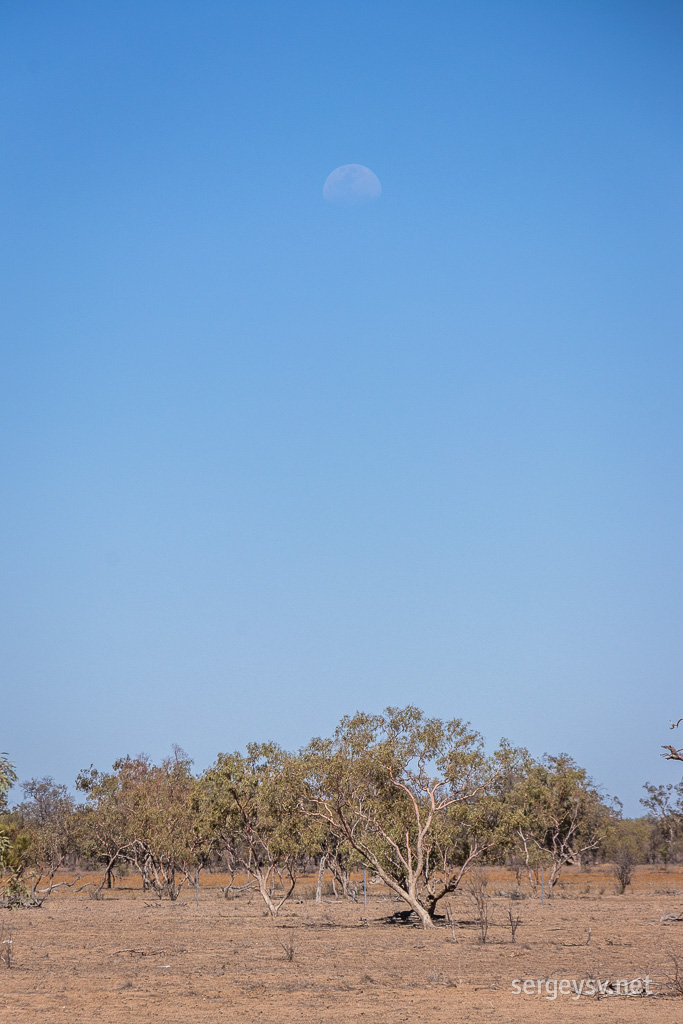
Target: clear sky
[{"x": 266, "y": 460}]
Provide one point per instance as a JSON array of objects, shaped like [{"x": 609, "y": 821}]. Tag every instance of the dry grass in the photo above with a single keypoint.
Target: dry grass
[{"x": 126, "y": 959}]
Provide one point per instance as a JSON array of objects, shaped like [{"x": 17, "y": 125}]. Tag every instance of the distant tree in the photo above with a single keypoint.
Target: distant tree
[
  {"x": 665, "y": 811},
  {"x": 626, "y": 844},
  {"x": 406, "y": 793},
  {"x": 563, "y": 817},
  {"x": 106, "y": 836},
  {"x": 8, "y": 777},
  {"x": 46, "y": 817},
  {"x": 338, "y": 856},
  {"x": 13, "y": 843},
  {"x": 252, "y": 810},
  {"x": 143, "y": 814},
  {"x": 633, "y": 834}
]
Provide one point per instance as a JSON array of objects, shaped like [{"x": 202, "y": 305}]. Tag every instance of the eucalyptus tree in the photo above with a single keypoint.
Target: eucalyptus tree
[
  {"x": 407, "y": 793},
  {"x": 8, "y": 777},
  {"x": 143, "y": 814},
  {"x": 106, "y": 834},
  {"x": 252, "y": 809},
  {"x": 561, "y": 817},
  {"x": 47, "y": 816},
  {"x": 664, "y": 805}
]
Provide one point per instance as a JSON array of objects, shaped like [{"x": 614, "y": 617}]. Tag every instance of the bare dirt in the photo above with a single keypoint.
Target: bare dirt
[{"x": 130, "y": 958}]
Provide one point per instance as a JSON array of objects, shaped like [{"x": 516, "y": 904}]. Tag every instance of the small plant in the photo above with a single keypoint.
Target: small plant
[
  {"x": 289, "y": 949},
  {"x": 477, "y": 890},
  {"x": 514, "y": 920},
  {"x": 622, "y": 869},
  {"x": 451, "y": 922},
  {"x": 5, "y": 947},
  {"x": 16, "y": 894},
  {"x": 675, "y": 977},
  {"x": 441, "y": 978}
]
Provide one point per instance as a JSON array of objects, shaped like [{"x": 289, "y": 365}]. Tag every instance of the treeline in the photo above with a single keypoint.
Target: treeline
[{"x": 415, "y": 800}]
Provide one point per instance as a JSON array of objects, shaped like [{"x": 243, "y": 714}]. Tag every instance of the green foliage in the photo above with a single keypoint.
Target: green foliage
[
  {"x": 143, "y": 814},
  {"x": 46, "y": 818},
  {"x": 626, "y": 844},
  {"x": 562, "y": 816},
  {"x": 409, "y": 795},
  {"x": 251, "y": 805},
  {"x": 628, "y": 835},
  {"x": 415, "y": 799},
  {"x": 11, "y": 852},
  {"x": 8, "y": 777},
  {"x": 16, "y": 855},
  {"x": 665, "y": 812}
]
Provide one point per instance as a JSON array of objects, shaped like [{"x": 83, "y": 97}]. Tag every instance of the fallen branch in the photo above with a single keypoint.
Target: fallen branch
[
  {"x": 51, "y": 887},
  {"x": 147, "y": 952}
]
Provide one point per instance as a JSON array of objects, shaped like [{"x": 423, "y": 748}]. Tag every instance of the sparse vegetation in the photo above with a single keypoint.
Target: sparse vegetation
[
  {"x": 333, "y": 951},
  {"x": 514, "y": 920},
  {"x": 289, "y": 949},
  {"x": 6, "y": 946},
  {"x": 675, "y": 973},
  {"x": 410, "y": 803},
  {"x": 562, "y": 817},
  {"x": 624, "y": 863},
  {"x": 477, "y": 891}
]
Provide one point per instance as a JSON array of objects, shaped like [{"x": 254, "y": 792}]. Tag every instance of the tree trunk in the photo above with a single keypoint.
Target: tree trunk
[
  {"x": 319, "y": 887},
  {"x": 422, "y": 912}
]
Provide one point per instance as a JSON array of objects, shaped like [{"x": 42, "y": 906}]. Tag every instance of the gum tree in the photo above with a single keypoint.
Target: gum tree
[
  {"x": 664, "y": 805},
  {"x": 46, "y": 816},
  {"x": 143, "y": 814},
  {"x": 105, "y": 820},
  {"x": 405, "y": 792},
  {"x": 8, "y": 777},
  {"x": 562, "y": 816},
  {"x": 251, "y": 807}
]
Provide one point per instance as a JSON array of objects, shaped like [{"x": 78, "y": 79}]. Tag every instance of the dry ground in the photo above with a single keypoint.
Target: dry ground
[{"x": 129, "y": 958}]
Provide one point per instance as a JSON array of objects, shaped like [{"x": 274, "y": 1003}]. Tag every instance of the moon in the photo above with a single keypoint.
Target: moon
[{"x": 351, "y": 184}]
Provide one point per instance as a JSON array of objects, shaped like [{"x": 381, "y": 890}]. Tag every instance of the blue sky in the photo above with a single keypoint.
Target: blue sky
[{"x": 266, "y": 461}]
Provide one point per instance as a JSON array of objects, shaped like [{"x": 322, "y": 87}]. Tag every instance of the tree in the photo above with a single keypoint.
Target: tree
[
  {"x": 106, "y": 836},
  {"x": 407, "y": 793},
  {"x": 563, "y": 816},
  {"x": 252, "y": 810},
  {"x": 665, "y": 812},
  {"x": 14, "y": 843},
  {"x": 143, "y": 814},
  {"x": 337, "y": 855},
  {"x": 46, "y": 816},
  {"x": 674, "y": 754},
  {"x": 627, "y": 843},
  {"x": 632, "y": 834},
  {"x": 8, "y": 777}
]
